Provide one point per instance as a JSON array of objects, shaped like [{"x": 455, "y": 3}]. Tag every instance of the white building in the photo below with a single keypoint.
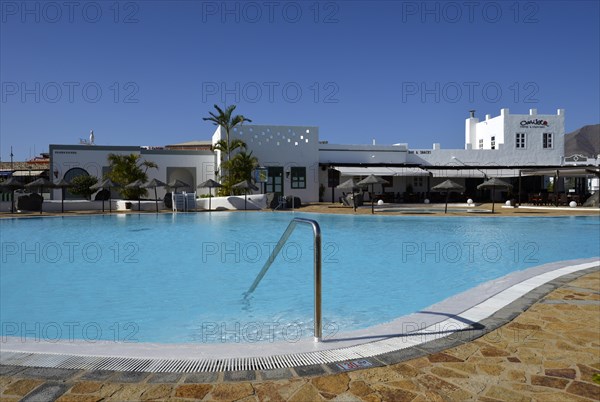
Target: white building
[
  {"x": 191, "y": 167},
  {"x": 291, "y": 155},
  {"x": 300, "y": 164}
]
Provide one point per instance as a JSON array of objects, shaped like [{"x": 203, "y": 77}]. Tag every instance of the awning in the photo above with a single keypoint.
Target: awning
[
  {"x": 381, "y": 171},
  {"x": 22, "y": 173},
  {"x": 565, "y": 171},
  {"x": 474, "y": 173}
]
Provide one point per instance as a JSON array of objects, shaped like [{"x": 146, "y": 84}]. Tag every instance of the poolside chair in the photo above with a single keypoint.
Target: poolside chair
[
  {"x": 282, "y": 203},
  {"x": 190, "y": 201},
  {"x": 344, "y": 200},
  {"x": 178, "y": 202},
  {"x": 563, "y": 199}
]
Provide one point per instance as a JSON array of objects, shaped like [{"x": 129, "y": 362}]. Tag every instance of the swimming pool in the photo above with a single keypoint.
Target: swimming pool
[{"x": 180, "y": 278}]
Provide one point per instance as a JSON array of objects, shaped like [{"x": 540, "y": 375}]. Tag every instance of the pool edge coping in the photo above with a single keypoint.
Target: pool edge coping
[{"x": 365, "y": 355}]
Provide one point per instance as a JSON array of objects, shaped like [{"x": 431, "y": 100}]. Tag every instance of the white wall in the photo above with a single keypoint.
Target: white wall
[
  {"x": 504, "y": 128},
  {"x": 365, "y": 154},
  {"x": 201, "y": 163},
  {"x": 94, "y": 158},
  {"x": 88, "y": 157},
  {"x": 285, "y": 146}
]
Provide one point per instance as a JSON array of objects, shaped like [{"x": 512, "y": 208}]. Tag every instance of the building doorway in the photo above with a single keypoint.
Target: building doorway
[{"x": 275, "y": 180}]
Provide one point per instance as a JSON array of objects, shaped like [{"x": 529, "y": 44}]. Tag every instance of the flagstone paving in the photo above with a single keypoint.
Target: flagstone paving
[{"x": 551, "y": 352}]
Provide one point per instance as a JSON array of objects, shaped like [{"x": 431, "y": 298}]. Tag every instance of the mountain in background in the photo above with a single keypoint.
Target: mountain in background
[{"x": 584, "y": 141}]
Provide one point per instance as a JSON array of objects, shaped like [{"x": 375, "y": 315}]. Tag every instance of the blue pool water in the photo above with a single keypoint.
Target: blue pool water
[{"x": 180, "y": 278}]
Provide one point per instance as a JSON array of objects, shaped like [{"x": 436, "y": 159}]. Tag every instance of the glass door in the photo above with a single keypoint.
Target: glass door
[{"x": 275, "y": 180}]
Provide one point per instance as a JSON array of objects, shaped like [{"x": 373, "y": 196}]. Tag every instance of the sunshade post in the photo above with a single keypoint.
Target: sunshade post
[
  {"x": 447, "y": 186},
  {"x": 156, "y": 199},
  {"x": 447, "y": 197},
  {"x": 556, "y": 188},
  {"x": 519, "y": 196}
]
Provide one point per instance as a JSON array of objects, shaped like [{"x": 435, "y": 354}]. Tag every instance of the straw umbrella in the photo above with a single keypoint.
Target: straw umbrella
[
  {"x": 11, "y": 184},
  {"x": 137, "y": 184},
  {"x": 493, "y": 183},
  {"x": 175, "y": 184},
  {"x": 62, "y": 184},
  {"x": 245, "y": 185},
  {"x": 448, "y": 186},
  {"x": 153, "y": 184},
  {"x": 351, "y": 185},
  {"x": 106, "y": 184},
  {"x": 210, "y": 184},
  {"x": 372, "y": 180},
  {"x": 40, "y": 183}
]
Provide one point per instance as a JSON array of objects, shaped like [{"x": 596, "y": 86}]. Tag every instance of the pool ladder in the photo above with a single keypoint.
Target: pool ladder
[{"x": 318, "y": 330}]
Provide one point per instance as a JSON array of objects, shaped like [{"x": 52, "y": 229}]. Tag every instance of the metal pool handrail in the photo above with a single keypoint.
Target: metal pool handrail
[{"x": 318, "y": 332}]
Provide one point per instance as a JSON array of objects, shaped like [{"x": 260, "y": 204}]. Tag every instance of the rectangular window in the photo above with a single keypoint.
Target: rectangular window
[
  {"x": 520, "y": 140},
  {"x": 547, "y": 140},
  {"x": 298, "y": 177},
  {"x": 480, "y": 144},
  {"x": 493, "y": 143},
  {"x": 418, "y": 181}
]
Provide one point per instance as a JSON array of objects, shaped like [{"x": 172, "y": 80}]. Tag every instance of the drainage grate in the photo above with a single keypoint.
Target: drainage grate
[{"x": 202, "y": 365}]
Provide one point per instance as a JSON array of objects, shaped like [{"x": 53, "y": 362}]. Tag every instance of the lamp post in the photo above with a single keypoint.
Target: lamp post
[
  {"x": 464, "y": 164},
  {"x": 485, "y": 177}
]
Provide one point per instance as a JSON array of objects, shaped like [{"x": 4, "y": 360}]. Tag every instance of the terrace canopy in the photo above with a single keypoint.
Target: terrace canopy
[
  {"x": 381, "y": 171},
  {"x": 570, "y": 171},
  {"x": 474, "y": 173}
]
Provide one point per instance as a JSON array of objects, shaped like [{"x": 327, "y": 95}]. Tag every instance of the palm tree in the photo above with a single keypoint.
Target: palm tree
[
  {"x": 242, "y": 166},
  {"x": 228, "y": 148},
  {"x": 224, "y": 119},
  {"x": 125, "y": 169}
]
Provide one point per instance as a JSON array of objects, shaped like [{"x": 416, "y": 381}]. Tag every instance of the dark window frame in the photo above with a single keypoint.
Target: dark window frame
[
  {"x": 520, "y": 140},
  {"x": 547, "y": 141},
  {"x": 298, "y": 177}
]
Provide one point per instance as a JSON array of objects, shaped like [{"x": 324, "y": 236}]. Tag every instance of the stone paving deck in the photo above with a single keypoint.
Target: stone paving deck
[{"x": 550, "y": 352}]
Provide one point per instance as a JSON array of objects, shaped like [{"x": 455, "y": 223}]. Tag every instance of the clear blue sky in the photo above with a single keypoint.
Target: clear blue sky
[{"x": 405, "y": 71}]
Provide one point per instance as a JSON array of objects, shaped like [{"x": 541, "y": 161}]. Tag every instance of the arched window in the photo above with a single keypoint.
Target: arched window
[{"x": 69, "y": 176}]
